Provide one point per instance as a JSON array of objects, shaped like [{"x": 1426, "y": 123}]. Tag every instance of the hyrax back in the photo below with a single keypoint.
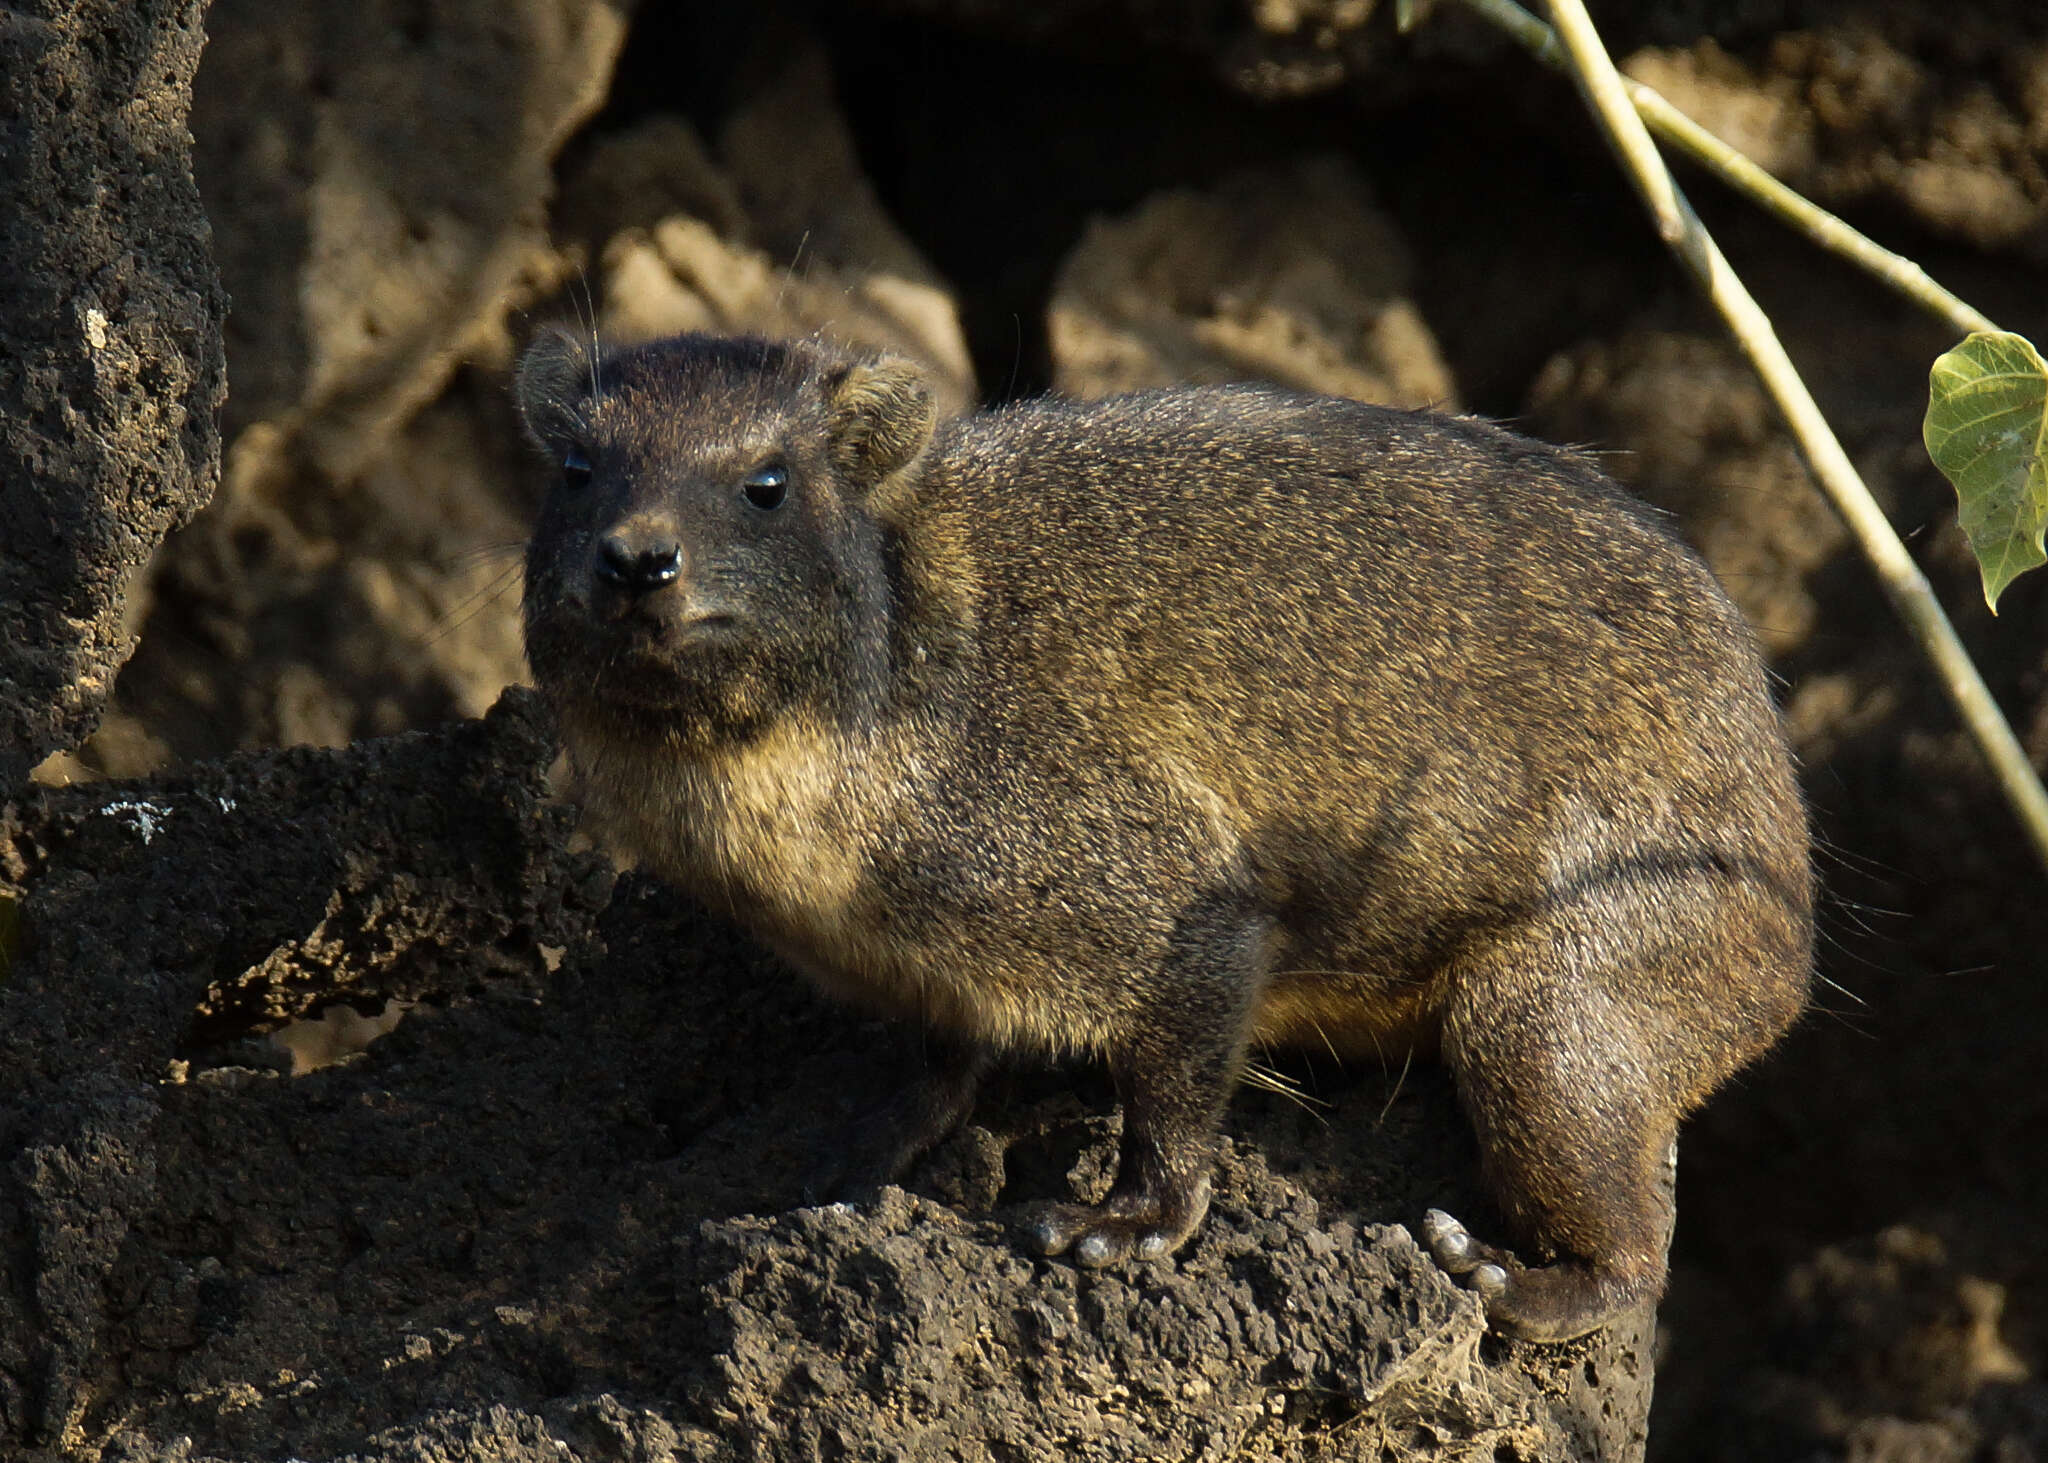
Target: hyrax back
[{"x": 1157, "y": 726}]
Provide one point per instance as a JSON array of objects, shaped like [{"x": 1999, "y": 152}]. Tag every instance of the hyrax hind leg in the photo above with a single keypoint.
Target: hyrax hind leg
[{"x": 1578, "y": 1042}]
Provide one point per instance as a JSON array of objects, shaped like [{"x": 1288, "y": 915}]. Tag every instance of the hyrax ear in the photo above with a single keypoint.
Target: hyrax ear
[
  {"x": 882, "y": 415},
  {"x": 553, "y": 384}
]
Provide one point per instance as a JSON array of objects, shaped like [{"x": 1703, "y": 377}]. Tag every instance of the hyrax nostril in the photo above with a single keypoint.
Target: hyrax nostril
[{"x": 637, "y": 565}]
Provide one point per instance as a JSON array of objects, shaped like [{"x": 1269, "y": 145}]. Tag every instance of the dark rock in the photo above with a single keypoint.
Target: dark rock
[
  {"x": 110, "y": 350},
  {"x": 234, "y": 898}
]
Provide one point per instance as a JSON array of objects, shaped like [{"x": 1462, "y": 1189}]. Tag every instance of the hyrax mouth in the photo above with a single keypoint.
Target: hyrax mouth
[
  {"x": 678, "y": 649},
  {"x": 661, "y": 626}
]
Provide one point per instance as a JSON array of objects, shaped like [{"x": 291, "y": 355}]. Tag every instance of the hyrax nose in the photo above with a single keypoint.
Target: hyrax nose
[{"x": 638, "y": 561}]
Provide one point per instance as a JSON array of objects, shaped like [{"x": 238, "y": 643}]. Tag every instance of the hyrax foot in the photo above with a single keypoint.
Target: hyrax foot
[
  {"x": 1533, "y": 1302},
  {"x": 1143, "y": 1224},
  {"x": 881, "y": 1144},
  {"x": 851, "y": 1162}
]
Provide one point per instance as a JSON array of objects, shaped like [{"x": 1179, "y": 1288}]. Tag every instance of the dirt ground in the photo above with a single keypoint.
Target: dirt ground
[{"x": 550, "y": 1210}]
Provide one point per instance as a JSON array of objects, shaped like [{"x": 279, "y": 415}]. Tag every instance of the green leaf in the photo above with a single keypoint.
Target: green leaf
[{"x": 1986, "y": 427}]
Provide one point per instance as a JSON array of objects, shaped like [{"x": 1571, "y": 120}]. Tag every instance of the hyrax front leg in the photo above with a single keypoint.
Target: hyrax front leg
[
  {"x": 1175, "y": 1069},
  {"x": 1171, "y": 1105},
  {"x": 880, "y": 1144}
]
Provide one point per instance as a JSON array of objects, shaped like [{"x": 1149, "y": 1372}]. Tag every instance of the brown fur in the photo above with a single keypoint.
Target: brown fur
[{"x": 1151, "y": 727}]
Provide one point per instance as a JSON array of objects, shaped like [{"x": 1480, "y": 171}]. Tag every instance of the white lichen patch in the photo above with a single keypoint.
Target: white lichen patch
[{"x": 144, "y": 818}]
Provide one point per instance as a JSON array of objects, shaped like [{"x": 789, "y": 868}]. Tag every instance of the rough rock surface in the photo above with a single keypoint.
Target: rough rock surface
[
  {"x": 1288, "y": 275},
  {"x": 780, "y": 234},
  {"x": 1902, "y": 64},
  {"x": 379, "y": 176},
  {"x": 1890, "y": 1352},
  {"x": 1943, "y": 115},
  {"x": 110, "y": 350},
  {"x": 558, "y": 1204},
  {"x": 680, "y": 275},
  {"x": 1274, "y": 50},
  {"x": 259, "y": 890}
]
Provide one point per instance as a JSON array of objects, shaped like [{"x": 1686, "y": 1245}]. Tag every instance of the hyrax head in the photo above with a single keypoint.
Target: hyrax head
[{"x": 708, "y": 554}]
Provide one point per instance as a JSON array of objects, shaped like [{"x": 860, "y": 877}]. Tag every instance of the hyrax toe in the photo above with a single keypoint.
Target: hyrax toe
[
  {"x": 1142, "y": 1225},
  {"x": 1095, "y": 1237},
  {"x": 1452, "y": 1245}
]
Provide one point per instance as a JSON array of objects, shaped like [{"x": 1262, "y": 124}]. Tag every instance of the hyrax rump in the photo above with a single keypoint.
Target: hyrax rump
[{"x": 1160, "y": 726}]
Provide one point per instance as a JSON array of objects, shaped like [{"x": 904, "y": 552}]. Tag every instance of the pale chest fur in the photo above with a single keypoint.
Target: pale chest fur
[{"x": 774, "y": 833}]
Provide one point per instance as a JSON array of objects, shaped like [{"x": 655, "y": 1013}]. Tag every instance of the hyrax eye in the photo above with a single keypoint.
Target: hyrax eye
[
  {"x": 575, "y": 468},
  {"x": 766, "y": 487}
]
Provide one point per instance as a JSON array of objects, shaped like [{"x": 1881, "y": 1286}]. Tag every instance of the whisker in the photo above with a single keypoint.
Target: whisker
[
  {"x": 782, "y": 289},
  {"x": 493, "y": 591},
  {"x": 1399, "y": 1082},
  {"x": 589, "y": 308},
  {"x": 483, "y": 554},
  {"x": 1838, "y": 987},
  {"x": 1849, "y": 858},
  {"x": 1268, "y": 1079}
]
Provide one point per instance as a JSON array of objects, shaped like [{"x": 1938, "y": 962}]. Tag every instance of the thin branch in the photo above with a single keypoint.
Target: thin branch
[
  {"x": 1740, "y": 173},
  {"x": 1904, "y": 584}
]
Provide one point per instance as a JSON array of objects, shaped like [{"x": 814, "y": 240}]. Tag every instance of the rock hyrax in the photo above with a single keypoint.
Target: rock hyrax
[{"x": 1158, "y": 726}]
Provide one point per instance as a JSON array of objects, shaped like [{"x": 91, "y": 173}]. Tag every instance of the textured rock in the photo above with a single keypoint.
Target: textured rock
[
  {"x": 379, "y": 174},
  {"x": 680, "y": 275},
  {"x": 233, "y": 898},
  {"x": 1910, "y": 68},
  {"x": 110, "y": 352},
  {"x": 1886, "y": 1350},
  {"x": 1894, "y": 112},
  {"x": 1290, "y": 276},
  {"x": 1274, "y": 50},
  {"x": 782, "y": 234}
]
